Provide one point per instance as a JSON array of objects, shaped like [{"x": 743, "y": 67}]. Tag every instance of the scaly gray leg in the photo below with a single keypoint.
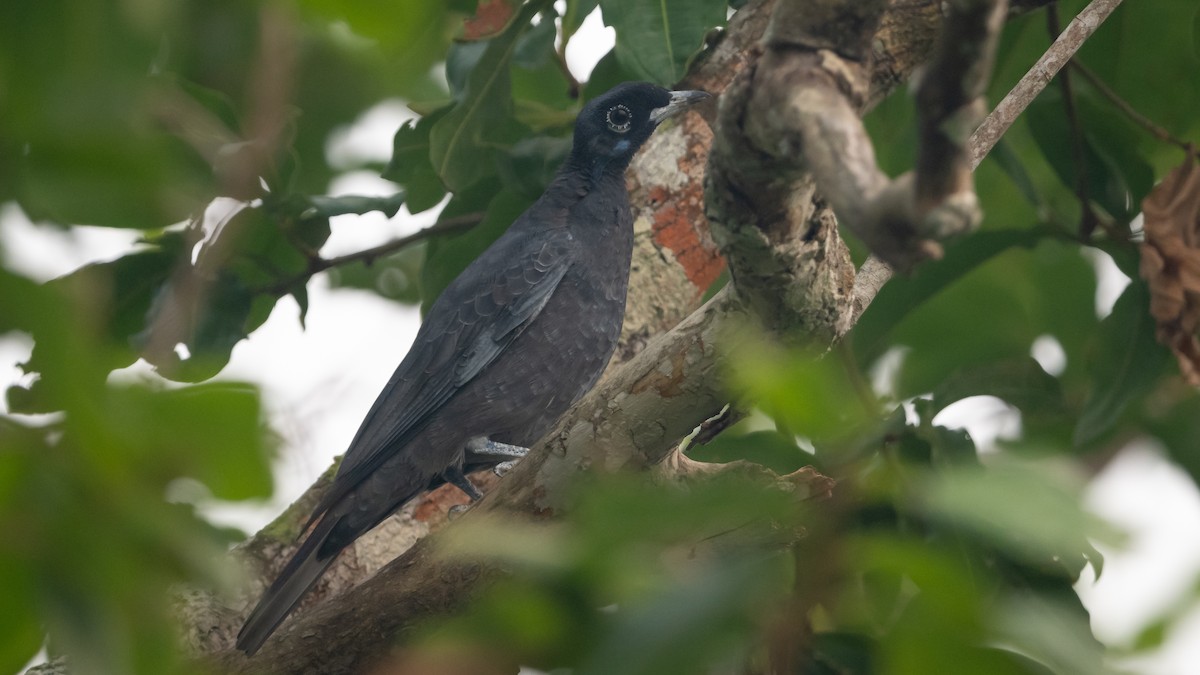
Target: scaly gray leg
[{"x": 486, "y": 448}]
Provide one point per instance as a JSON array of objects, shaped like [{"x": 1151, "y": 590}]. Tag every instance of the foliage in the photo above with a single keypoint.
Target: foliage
[{"x": 160, "y": 115}]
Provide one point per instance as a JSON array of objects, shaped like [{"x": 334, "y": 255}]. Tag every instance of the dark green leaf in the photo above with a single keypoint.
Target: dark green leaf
[
  {"x": 904, "y": 295},
  {"x": 410, "y": 164},
  {"x": 532, "y": 163},
  {"x": 1008, "y": 159},
  {"x": 656, "y": 39},
  {"x": 1020, "y": 381},
  {"x": 1030, "y": 512},
  {"x": 1125, "y": 362},
  {"x": 214, "y": 433},
  {"x": 462, "y": 142},
  {"x": 771, "y": 449}
]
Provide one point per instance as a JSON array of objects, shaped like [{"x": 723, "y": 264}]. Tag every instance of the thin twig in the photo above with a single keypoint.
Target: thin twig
[
  {"x": 1132, "y": 113},
  {"x": 560, "y": 57},
  {"x": 1078, "y": 31},
  {"x": 317, "y": 264},
  {"x": 447, "y": 226}
]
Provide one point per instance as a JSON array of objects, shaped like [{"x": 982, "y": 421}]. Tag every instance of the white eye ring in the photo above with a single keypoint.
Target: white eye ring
[{"x": 619, "y": 118}]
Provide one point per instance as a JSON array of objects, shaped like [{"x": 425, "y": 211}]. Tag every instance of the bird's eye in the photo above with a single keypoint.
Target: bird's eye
[{"x": 619, "y": 118}]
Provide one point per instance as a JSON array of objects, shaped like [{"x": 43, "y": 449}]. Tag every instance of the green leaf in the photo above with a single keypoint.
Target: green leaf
[
  {"x": 411, "y": 166},
  {"x": 461, "y": 144},
  {"x": 20, "y": 633},
  {"x": 1010, "y": 161},
  {"x": 902, "y": 296},
  {"x": 1105, "y": 180},
  {"x": 214, "y": 433},
  {"x": 810, "y": 394},
  {"x": 1125, "y": 362},
  {"x": 656, "y": 39},
  {"x": 772, "y": 449},
  {"x": 689, "y": 625},
  {"x": 327, "y": 207},
  {"x": 532, "y": 163},
  {"x": 1020, "y": 381},
  {"x": 1031, "y": 512}
]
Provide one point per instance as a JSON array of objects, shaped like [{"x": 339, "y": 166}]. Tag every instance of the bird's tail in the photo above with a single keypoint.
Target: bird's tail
[{"x": 306, "y": 566}]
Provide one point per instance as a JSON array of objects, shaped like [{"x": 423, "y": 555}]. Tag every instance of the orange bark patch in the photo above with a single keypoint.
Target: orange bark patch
[
  {"x": 1171, "y": 263},
  {"x": 490, "y": 18},
  {"x": 674, "y": 228}
]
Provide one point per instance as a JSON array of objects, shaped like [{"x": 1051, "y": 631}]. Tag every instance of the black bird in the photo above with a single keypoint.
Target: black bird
[{"x": 517, "y": 338}]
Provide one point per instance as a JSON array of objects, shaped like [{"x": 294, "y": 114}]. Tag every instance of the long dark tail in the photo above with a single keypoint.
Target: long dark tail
[{"x": 302, "y": 571}]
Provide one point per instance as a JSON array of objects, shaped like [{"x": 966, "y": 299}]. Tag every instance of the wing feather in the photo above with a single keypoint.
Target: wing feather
[{"x": 469, "y": 326}]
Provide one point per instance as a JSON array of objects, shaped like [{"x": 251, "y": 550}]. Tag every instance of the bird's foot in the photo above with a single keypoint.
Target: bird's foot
[
  {"x": 455, "y": 477},
  {"x": 486, "y": 448},
  {"x": 504, "y": 467},
  {"x": 457, "y": 510}
]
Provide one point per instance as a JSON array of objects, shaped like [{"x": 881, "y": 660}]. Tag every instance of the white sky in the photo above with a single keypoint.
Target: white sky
[{"x": 318, "y": 383}]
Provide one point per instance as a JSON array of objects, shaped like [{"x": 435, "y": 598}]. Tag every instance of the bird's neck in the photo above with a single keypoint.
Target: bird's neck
[{"x": 595, "y": 170}]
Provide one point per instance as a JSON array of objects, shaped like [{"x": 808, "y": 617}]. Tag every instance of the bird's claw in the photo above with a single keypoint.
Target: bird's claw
[{"x": 457, "y": 510}]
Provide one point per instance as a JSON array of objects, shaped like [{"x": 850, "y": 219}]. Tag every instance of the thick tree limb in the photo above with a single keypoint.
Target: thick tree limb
[{"x": 797, "y": 111}]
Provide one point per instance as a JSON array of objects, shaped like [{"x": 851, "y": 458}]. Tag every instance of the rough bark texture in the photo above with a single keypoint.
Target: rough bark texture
[{"x": 790, "y": 269}]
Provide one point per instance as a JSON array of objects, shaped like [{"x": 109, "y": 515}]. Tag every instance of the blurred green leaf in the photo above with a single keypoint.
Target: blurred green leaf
[
  {"x": 1020, "y": 381},
  {"x": 902, "y": 296},
  {"x": 411, "y": 166},
  {"x": 214, "y": 433},
  {"x": 1125, "y": 361},
  {"x": 690, "y": 625},
  {"x": 810, "y": 394},
  {"x": 1052, "y": 633},
  {"x": 532, "y": 164},
  {"x": 655, "y": 40},
  {"x": 1115, "y": 183},
  {"x": 1031, "y": 511},
  {"x": 771, "y": 449}
]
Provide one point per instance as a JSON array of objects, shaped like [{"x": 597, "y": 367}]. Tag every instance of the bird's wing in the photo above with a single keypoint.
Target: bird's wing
[{"x": 470, "y": 325}]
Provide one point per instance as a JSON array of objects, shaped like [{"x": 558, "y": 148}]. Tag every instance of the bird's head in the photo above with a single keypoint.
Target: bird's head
[{"x": 611, "y": 127}]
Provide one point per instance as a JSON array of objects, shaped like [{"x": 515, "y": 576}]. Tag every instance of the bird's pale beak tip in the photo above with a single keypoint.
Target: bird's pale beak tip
[
  {"x": 680, "y": 100},
  {"x": 689, "y": 97}
]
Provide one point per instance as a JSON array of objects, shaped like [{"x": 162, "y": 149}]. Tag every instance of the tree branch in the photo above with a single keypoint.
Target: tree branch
[{"x": 1059, "y": 53}]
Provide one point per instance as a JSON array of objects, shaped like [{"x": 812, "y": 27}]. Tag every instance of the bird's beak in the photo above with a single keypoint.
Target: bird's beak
[{"x": 679, "y": 101}]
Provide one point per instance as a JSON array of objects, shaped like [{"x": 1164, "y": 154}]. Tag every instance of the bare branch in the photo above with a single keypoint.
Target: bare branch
[{"x": 1015, "y": 102}]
